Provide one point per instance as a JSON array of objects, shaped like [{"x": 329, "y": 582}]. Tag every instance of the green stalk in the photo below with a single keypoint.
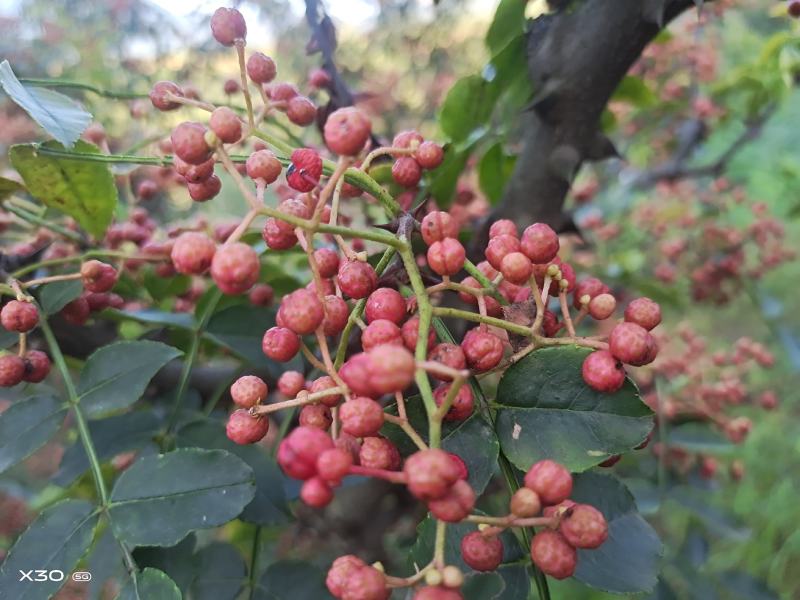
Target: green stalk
[
  {"x": 60, "y": 83},
  {"x": 478, "y": 318},
  {"x": 46, "y": 223}
]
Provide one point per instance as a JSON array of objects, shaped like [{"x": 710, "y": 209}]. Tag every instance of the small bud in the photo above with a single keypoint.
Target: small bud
[
  {"x": 452, "y": 576},
  {"x": 433, "y": 577}
]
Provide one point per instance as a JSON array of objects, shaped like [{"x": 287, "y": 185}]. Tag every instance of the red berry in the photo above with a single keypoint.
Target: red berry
[
  {"x": 630, "y": 343},
  {"x": 159, "y": 93},
  {"x": 390, "y": 368},
  {"x": 299, "y": 451},
  {"x": 357, "y": 279},
  {"x": 226, "y": 124},
  {"x": 610, "y": 461},
  {"x": 379, "y": 453},
  {"x": 37, "y": 366},
  {"x": 316, "y": 493},
  {"x": 500, "y": 246},
  {"x": 290, "y": 383},
  {"x": 446, "y": 257},
  {"x": 19, "y": 316},
  {"x": 525, "y": 503},
  {"x": 263, "y": 164},
  {"x": 503, "y": 227},
  {"x": 77, "y": 311},
  {"x": 437, "y": 592},
  {"x": 193, "y": 173},
  {"x": 347, "y": 131},
  {"x": 317, "y": 416},
  {"x": 584, "y": 526},
  {"x": 97, "y": 276},
  {"x": 249, "y": 390},
  {"x": 305, "y": 170},
  {"x": 482, "y": 553},
  {"x": 340, "y": 572},
  {"x": 325, "y": 383},
  {"x": 261, "y": 68},
  {"x": 336, "y": 314},
  {"x": 794, "y": 8},
  {"x": 327, "y": 262},
  {"x": 455, "y": 505},
  {"x": 553, "y": 554},
  {"x": 192, "y": 253},
  {"x": 12, "y": 370},
  {"x": 407, "y": 139},
  {"x": 189, "y": 143},
  {"x": 366, "y": 583},
  {"x": 438, "y": 225},
  {"x": 231, "y": 86},
  {"x": 147, "y": 189},
  {"x": 319, "y": 78},
  {"x": 406, "y": 171},
  {"x": 334, "y": 464},
  {"x": 354, "y": 374},
  {"x": 602, "y": 372},
  {"x": 410, "y": 331},
  {"x": 381, "y": 332},
  {"x": 276, "y": 236},
  {"x": 516, "y": 268},
  {"x": 539, "y": 243},
  {"x": 301, "y": 111},
  {"x": 228, "y": 26},
  {"x": 557, "y": 510},
  {"x": 482, "y": 349},
  {"x": 644, "y": 312},
  {"x": 429, "y": 155},
  {"x": 361, "y": 417},
  {"x": 283, "y": 92},
  {"x": 205, "y": 190},
  {"x": 462, "y": 405},
  {"x": 242, "y": 428},
  {"x": 261, "y": 294},
  {"x": 430, "y": 473},
  {"x": 235, "y": 268},
  {"x": 463, "y": 472},
  {"x": 385, "y": 303},
  {"x": 280, "y": 344},
  {"x": 302, "y": 311},
  {"x": 602, "y": 306},
  {"x": 550, "y": 480},
  {"x": 591, "y": 286},
  {"x": 449, "y": 355}
]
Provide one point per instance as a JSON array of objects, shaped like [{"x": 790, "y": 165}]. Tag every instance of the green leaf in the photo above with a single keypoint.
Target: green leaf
[
  {"x": 57, "y": 539},
  {"x": 634, "y": 90},
  {"x": 82, "y": 189},
  {"x": 160, "y": 499},
  {"x": 467, "y": 107},
  {"x": 26, "y": 426},
  {"x": 177, "y": 561},
  {"x": 9, "y": 187},
  {"x": 220, "y": 573},
  {"x": 57, "y": 114},
  {"x": 115, "y": 376},
  {"x": 494, "y": 170},
  {"x": 160, "y": 288},
  {"x": 628, "y": 561},
  {"x": 8, "y": 339},
  {"x": 106, "y": 564},
  {"x": 699, "y": 437},
  {"x": 549, "y": 412},
  {"x": 157, "y": 317},
  {"x": 269, "y": 506},
  {"x": 292, "y": 580},
  {"x": 444, "y": 179},
  {"x": 508, "y": 23},
  {"x": 55, "y": 296},
  {"x": 129, "y": 431},
  {"x": 483, "y": 585},
  {"x": 150, "y": 584}
]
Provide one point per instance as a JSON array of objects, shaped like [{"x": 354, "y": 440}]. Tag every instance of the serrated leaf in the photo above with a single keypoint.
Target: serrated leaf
[
  {"x": 269, "y": 506},
  {"x": 106, "y": 564},
  {"x": 177, "y": 561},
  {"x": 57, "y": 539},
  {"x": 160, "y": 499},
  {"x": 57, "y": 114},
  {"x": 548, "y": 411},
  {"x": 508, "y": 23},
  {"x": 82, "y": 189},
  {"x": 55, "y": 296},
  {"x": 220, "y": 573},
  {"x": 292, "y": 580},
  {"x": 628, "y": 561},
  {"x": 8, "y": 187},
  {"x": 26, "y": 426},
  {"x": 150, "y": 584},
  {"x": 494, "y": 170},
  {"x": 116, "y": 375}
]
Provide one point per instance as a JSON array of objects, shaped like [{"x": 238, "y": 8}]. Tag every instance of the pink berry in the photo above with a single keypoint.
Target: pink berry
[
  {"x": 500, "y": 246},
  {"x": 406, "y": 171},
  {"x": 381, "y": 332},
  {"x": 347, "y": 131},
  {"x": 429, "y": 155},
  {"x": 302, "y": 311},
  {"x": 366, "y": 583},
  {"x": 630, "y": 343},
  {"x": 503, "y": 227},
  {"x": 242, "y": 428},
  {"x": 591, "y": 286},
  {"x": 325, "y": 383},
  {"x": 235, "y": 268},
  {"x": 482, "y": 349},
  {"x": 276, "y": 236},
  {"x": 299, "y": 451},
  {"x": 261, "y": 294},
  {"x": 319, "y": 79},
  {"x": 280, "y": 344},
  {"x": 228, "y": 26},
  {"x": 317, "y": 416},
  {"x": 361, "y": 416},
  {"x": 226, "y": 124},
  {"x": 379, "y": 453},
  {"x": 192, "y": 253},
  {"x": 261, "y": 68},
  {"x": 438, "y": 225},
  {"x": 482, "y": 553},
  {"x": 354, "y": 373},
  {"x": 553, "y": 554},
  {"x": 340, "y": 572},
  {"x": 305, "y": 170},
  {"x": 602, "y": 372},
  {"x": 205, "y": 190},
  {"x": 193, "y": 173},
  {"x": 644, "y": 312},
  {"x": 390, "y": 368},
  {"x": 19, "y": 316},
  {"x": 449, "y": 355},
  {"x": 437, "y": 592},
  {"x": 430, "y": 473},
  {"x": 385, "y": 303},
  {"x": 584, "y": 526},
  {"x": 189, "y": 143},
  {"x": 410, "y": 331},
  {"x": 249, "y": 390},
  {"x": 12, "y": 370},
  {"x": 525, "y": 503},
  {"x": 336, "y": 315},
  {"x": 602, "y": 306},
  {"x": 334, "y": 464},
  {"x": 263, "y": 164},
  {"x": 407, "y": 139},
  {"x": 316, "y": 493},
  {"x": 282, "y": 92},
  {"x": 357, "y": 279},
  {"x": 516, "y": 268},
  {"x": 455, "y": 505},
  {"x": 446, "y": 257},
  {"x": 301, "y": 111},
  {"x": 327, "y": 262},
  {"x": 37, "y": 366},
  {"x": 290, "y": 383},
  {"x": 231, "y": 86},
  {"x": 97, "y": 276},
  {"x": 539, "y": 243},
  {"x": 160, "y": 92},
  {"x": 550, "y": 480},
  {"x": 462, "y": 405},
  {"x": 77, "y": 311}
]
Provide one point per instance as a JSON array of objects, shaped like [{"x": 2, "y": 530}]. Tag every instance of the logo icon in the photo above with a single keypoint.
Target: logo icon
[{"x": 81, "y": 576}]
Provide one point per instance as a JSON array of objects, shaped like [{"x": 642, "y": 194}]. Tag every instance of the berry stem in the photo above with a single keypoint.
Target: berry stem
[
  {"x": 391, "y": 476},
  {"x": 51, "y": 279},
  {"x": 382, "y": 152},
  {"x": 47, "y": 223},
  {"x": 302, "y": 399},
  {"x": 54, "y": 262},
  {"x": 237, "y": 178},
  {"x": 442, "y": 311},
  {"x": 562, "y": 300},
  {"x": 241, "y": 228},
  {"x": 315, "y": 362},
  {"x": 439, "y": 543},
  {"x": 452, "y": 392},
  {"x": 206, "y": 106},
  {"x": 245, "y": 88},
  {"x": 23, "y": 344},
  {"x": 407, "y": 429}
]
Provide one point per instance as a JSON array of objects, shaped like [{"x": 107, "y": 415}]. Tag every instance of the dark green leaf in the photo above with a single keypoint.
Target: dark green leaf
[
  {"x": 82, "y": 189},
  {"x": 159, "y": 499},
  {"x": 165, "y": 287},
  {"x": 158, "y": 317},
  {"x": 177, "y": 561},
  {"x": 467, "y": 107},
  {"x": 26, "y": 426},
  {"x": 444, "y": 179},
  {"x": 292, "y": 580},
  {"x": 8, "y": 187},
  {"x": 106, "y": 564},
  {"x": 482, "y": 585},
  {"x": 55, "y": 296},
  {"x": 269, "y": 505},
  {"x": 57, "y": 539},
  {"x": 220, "y": 573},
  {"x": 549, "y": 412},
  {"x": 8, "y": 339},
  {"x": 150, "y": 584},
  {"x": 628, "y": 561},
  {"x": 111, "y": 436},
  {"x": 115, "y": 376},
  {"x": 508, "y": 23},
  {"x": 634, "y": 90},
  {"x": 699, "y": 437},
  {"x": 738, "y": 585},
  {"x": 494, "y": 170},
  {"x": 716, "y": 519},
  {"x": 57, "y": 114}
]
